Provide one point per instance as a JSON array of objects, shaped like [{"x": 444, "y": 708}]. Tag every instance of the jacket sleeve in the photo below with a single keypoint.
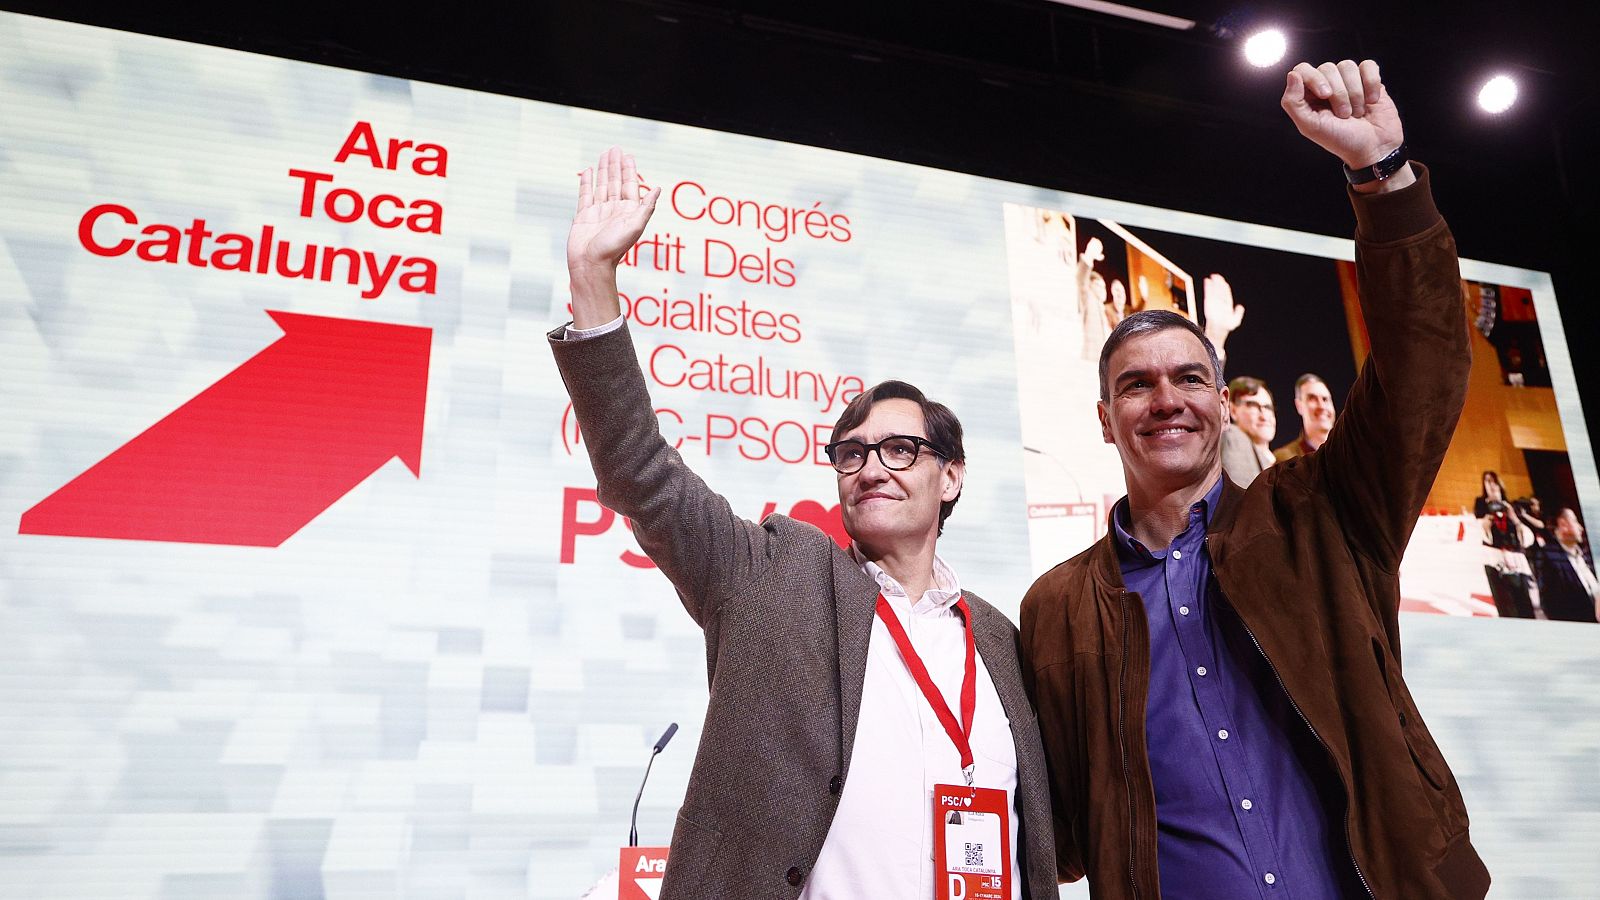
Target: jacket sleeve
[
  {"x": 1059, "y": 733},
  {"x": 687, "y": 529},
  {"x": 1380, "y": 460}
]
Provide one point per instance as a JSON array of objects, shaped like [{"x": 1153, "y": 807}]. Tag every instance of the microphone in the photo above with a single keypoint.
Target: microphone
[
  {"x": 661, "y": 744},
  {"x": 666, "y": 736}
]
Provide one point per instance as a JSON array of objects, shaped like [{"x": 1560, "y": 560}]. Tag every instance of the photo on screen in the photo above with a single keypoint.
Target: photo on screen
[{"x": 1287, "y": 325}]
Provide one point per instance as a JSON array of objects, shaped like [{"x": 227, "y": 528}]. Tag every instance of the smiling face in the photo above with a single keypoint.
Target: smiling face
[
  {"x": 1165, "y": 413},
  {"x": 1255, "y": 415},
  {"x": 1314, "y": 403},
  {"x": 886, "y": 509}
]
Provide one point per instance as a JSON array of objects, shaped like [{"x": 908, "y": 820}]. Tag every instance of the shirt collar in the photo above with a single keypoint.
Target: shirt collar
[
  {"x": 942, "y": 595},
  {"x": 1131, "y": 551}
]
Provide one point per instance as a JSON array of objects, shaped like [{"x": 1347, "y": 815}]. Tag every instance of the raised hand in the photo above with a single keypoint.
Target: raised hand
[
  {"x": 1345, "y": 109},
  {"x": 1222, "y": 314},
  {"x": 613, "y": 207}
]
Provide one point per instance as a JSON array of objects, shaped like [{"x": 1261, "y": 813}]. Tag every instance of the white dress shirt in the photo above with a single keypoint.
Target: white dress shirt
[
  {"x": 881, "y": 842},
  {"x": 1586, "y": 576},
  {"x": 581, "y": 334}
]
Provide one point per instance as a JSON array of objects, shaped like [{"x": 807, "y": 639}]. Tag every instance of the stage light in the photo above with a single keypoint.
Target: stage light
[
  {"x": 1265, "y": 48},
  {"x": 1497, "y": 94}
]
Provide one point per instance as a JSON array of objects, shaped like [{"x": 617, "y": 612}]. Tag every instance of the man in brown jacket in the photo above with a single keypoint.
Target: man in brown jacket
[
  {"x": 1218, "y": 681},
  {"x": 823, "y": 743}
]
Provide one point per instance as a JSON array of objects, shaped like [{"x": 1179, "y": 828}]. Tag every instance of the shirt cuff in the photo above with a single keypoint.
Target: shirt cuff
[{"x": 583, "y": 334}]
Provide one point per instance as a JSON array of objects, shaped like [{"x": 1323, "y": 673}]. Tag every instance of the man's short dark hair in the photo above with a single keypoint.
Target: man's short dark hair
[
  {"x": 1151, "y": 321},
  {"x": 943, "y": 428},
  {"x": 1243, "y": 386}
]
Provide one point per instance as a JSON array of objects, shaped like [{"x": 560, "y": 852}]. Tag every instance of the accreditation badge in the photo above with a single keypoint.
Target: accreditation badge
[{"x": 971, "y": 843}]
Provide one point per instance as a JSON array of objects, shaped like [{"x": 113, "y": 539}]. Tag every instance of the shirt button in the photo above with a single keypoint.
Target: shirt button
[
  {"x": 1223, "y": 735},
  {"x": 1247, "y": 804},
  {"x": 1270, "y": 878},
  {"x": 1201, "y": 671},
  {"x": 794, "y": 876},
  {"x": 835, "y": 785},
  {"x": 1183, "y": 610},
  {"x": 1177, "y": 554}
]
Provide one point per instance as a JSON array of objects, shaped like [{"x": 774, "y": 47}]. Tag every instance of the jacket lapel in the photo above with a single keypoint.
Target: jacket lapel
[{"x": 996, "y": 643}]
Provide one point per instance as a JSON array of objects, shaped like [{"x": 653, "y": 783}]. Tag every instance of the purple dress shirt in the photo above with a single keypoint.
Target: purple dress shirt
[{"x": 1247, "y": 803}]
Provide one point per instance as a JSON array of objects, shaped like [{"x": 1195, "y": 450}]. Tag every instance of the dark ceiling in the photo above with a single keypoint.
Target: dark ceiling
[{"x": 1027, "y": 91}]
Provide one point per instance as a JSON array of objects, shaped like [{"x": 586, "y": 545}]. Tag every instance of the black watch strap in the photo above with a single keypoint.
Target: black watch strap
[{"x": 1381, "y": 169}]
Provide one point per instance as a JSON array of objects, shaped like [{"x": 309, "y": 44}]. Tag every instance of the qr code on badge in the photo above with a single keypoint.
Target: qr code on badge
[{"x": 972, "y": 844}]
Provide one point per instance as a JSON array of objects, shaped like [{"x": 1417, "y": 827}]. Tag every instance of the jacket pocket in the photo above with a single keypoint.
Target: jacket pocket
[
  {"x": 694, "y": 849},
  {"x": 1425, "y": 753}
]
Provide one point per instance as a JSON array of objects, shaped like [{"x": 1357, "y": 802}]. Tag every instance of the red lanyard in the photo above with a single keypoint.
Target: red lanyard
[{"x": 960, "y": 734}]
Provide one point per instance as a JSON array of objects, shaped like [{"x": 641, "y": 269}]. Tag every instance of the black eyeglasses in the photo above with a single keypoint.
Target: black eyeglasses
[{"x": 897, "y": 452}]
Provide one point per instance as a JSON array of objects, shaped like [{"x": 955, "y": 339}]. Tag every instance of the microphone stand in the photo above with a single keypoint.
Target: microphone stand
[{"x": 661, "y": 744}]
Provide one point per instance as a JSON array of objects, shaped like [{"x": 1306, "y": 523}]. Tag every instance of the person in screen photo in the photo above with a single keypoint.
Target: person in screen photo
[
  {"x": 1245, "y": 450},
  {"x": 1530, "y": 512},
  {"x": 1116, "y": 305},
  {"x": 1314, "y": 402},
  {"x": 1092, "y": 297},
  {"x": 1568, "y": 588},
  {"x": 814, "y": 773},
  {"x": 1505, "y": 540},
  {"x": 1218, "y": 678}
]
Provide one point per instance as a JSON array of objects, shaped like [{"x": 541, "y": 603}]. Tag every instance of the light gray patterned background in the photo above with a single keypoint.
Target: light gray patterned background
[{"x": 413, "y": 697}]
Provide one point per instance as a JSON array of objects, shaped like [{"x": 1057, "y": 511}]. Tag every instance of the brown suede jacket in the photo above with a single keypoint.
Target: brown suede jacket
[{"x": 1309, "y": 556}]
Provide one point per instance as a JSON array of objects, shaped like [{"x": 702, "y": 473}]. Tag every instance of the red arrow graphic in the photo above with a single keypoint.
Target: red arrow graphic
[{"x": 268, "y": 448}]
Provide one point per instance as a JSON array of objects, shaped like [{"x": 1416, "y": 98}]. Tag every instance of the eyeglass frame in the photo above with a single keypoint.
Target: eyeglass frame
[{"x": 917, "y": 441}]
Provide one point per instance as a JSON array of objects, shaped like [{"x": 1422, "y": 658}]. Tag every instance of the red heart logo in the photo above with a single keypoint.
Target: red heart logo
[{"x": 829, "y": 519}]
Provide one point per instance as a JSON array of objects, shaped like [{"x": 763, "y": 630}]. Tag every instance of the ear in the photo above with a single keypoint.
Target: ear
[
  {"x": 1227, "y": 407},
  {"x": 1104, "y": 412},
  {"x": 954, "y": 475}
]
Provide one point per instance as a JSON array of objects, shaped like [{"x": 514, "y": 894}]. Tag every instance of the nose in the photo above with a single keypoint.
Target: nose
[
  {"x": 873, "y": 470},
  {"x": 1165, "y": 399}
]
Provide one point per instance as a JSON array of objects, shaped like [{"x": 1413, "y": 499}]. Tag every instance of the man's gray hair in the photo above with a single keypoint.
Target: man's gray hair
[
  {"x": 1151, "y": 321},
  {"x": 1306, "y": 379}
]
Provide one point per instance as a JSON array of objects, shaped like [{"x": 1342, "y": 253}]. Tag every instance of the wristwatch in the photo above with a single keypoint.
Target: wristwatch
[{"x": 1379, "y": 170}]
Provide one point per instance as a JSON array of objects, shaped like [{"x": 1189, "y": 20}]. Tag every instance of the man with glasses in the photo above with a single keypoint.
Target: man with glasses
[
  {"x": 852, "y": 690},
  {"x": 1246, "y": 446}
]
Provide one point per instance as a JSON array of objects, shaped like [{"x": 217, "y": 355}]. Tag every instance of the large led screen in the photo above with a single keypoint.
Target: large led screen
[{"x": 304, "y": 587}]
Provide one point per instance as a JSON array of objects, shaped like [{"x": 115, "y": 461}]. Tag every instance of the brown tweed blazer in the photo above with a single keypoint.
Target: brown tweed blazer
[{"x": 787, "y": 617}]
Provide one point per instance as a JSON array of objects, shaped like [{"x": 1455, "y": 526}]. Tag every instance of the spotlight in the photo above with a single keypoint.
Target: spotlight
[
  {"x": 1497, "y": 94},
  {"x": 1265, "y": 48}
]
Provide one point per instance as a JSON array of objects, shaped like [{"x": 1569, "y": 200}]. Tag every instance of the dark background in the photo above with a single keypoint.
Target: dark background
[
  {"x": 1293, "y": 316},
  {"x": 1027, "y": 91}
]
